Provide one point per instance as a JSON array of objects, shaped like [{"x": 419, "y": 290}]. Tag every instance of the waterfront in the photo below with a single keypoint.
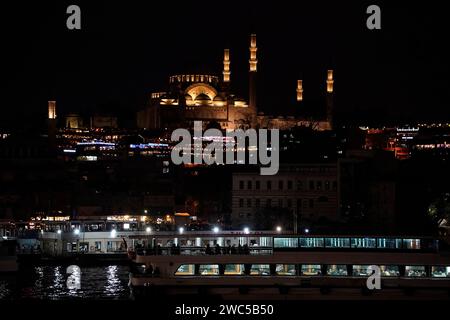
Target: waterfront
[{"x": 50, "y": 283}]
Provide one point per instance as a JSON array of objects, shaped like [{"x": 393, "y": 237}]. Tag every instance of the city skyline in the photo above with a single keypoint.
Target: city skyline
[{"x": 121, "y": 55}]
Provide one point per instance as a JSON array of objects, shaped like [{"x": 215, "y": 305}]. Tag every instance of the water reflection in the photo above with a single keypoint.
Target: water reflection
[{"x": 53, "y": 283}]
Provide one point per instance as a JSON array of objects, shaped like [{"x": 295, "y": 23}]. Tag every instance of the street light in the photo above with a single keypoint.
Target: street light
[
  {"x": 59, "y": 231},
  {"x": 306, "y": 230},
  {"x": 279, "y": 229},
  {"x": 246, "y": 230},
  {"x": 113, "y": 233},
  {"x": 181, "y": 230},
  {"x": 148, "y": 230},
  {"x": 216, "y": 229},
  {"x": 76, "y": 231}
]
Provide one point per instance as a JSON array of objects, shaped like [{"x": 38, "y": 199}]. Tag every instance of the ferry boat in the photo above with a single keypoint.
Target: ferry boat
[{"x": 237, "y": 265}]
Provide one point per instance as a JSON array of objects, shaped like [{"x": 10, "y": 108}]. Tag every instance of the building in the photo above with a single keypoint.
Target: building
[
  {"x": 307, "y": 191},
  {"x": 208, "y": 98}
]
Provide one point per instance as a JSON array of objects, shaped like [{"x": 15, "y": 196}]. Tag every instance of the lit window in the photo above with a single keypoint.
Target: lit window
[
  {"x": 209, "y": 269},
  {"x": 260, "y": 270},
  {"x": 185, "y": 270},
  {"x": 311, "y": 269},
  {"x": 415, "y": 271},
  {"x": 389, "y": 271},
  {"x": 337, "y": 270},
  {"x": 440, "y": 271},
  {"x": 234, "y": 270},
  {"x": 285, "y": 270}
]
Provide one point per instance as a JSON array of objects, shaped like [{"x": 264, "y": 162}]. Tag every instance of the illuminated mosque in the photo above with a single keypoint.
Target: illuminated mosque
[{"x": 207, "y": 98}]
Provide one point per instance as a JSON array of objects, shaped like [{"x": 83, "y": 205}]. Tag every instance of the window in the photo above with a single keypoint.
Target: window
[
  {"x": 269, "y": 203},
  {"x": 269, "y": 185},
  {"x": 257, "y": 185},
  {"x": 389, "y": 271},
  {"x": 337, "y": 242},
  {"x": 285, "y": 270},
  {"x": 257, "y": 203},
  {"x": 241, "y": 185},
  {"x": 337, "y": 270},
  {"x": 327, "y": 185},
  {"x": 209, "y": 269},
  {"x": 249, "y": 203},
  {"x": 361, "y": 270},
  {"x": 98, "y": 246},
  {"x": 234, "y": 270},
  {"x": 285, "y": 242},
  {"x": 280, "y": 203},
  {"x": 389, "y": 243},
  {"x": 311, "y": 203},
  {"x": 311, "y": 270},
  {"x": 311, "y": 242},
  {"x": 322, "y": 199},
  {"x": 311, "y": 185},
  {"x": 280, "y": 185},
  {"x": 260, "y": 270},
  {"x": 249, "y": 185},
  {"x": 440, "y": 271},
  {"x": 411, "y": 243},
  {"x": 289, "y": 185},
  {"x": 241, "y": 203},
  {"x": 299, "y": 185},
  {"x": 363, "y": 243},
  {"x": 185, "y": 270},
  {"x": 415, "y": 271},
  {"x": 289, "y": 203}
]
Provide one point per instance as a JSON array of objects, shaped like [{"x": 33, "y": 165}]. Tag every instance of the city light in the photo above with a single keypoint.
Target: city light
[
  {"x": 59, "y": 231},
  {"x": 306, "y": 230},
  {"x": 246, "y": 230},
  {"x": 148, "y": 230},
  {"x": 76, "y": 231},
  {"x": 181, "y": 230},
  {"x": 279, "y": 229},
  {"x": 216, "y": 229},
  {"x": 113, "y": 233}
]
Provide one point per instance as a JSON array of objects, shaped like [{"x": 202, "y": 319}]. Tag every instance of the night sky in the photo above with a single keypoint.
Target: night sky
[{"x": 126, "y": 50}]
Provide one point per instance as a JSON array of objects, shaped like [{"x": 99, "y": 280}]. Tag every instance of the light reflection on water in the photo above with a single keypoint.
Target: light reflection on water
[{"x": 50, "y": 283}]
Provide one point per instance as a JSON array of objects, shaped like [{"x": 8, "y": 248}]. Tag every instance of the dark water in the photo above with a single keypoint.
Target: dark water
[{"x": 51, "y": 283}]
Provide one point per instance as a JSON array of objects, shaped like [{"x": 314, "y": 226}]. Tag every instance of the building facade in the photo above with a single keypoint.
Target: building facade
[{"x": 309, "y": 191}]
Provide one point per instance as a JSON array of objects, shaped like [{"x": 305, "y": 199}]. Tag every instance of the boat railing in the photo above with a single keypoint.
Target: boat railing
[{"x": 192, "y": 250}]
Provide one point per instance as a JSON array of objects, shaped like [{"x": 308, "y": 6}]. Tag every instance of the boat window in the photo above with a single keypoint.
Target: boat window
[
  {"x": 260, "y": 270},
  {"x": 337, "y": 242},
  {"x": 361, "y": 270},
  {"x": 311, "y": 242},
  {"x": 415, "y": 271},
  {"x": 285, "y": 242},
  {"x": 411, "y": 243},
  {"x": 363, "y": 243},
  {"x": 389, "y": 243},
  {"x": 185, "y": 270},
  {"x": 440, "y": 271},
  {"x": 389, "y": 271},
  {"x": 234, "y": 269},
  {"x": 285, "y": 269},
  {"x": 337, "y": 270},
  {"x": 209, "y": 269},
  {"x": 311, "y": 269}
]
